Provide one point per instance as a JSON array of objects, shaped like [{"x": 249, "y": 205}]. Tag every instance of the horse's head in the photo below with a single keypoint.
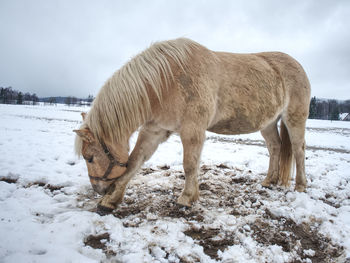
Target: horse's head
[{"x": 104, "y": 163}]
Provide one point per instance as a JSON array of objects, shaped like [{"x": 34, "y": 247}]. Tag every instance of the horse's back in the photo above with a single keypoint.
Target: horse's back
[{"x": 232, "y": 93}]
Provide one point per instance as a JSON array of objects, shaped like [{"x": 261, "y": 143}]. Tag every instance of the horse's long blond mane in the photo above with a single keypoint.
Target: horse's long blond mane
[{"x": 122, "y": 104}]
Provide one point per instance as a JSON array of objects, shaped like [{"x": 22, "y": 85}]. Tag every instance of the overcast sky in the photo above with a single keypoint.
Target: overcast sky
[{"x": 67, "y": 47}]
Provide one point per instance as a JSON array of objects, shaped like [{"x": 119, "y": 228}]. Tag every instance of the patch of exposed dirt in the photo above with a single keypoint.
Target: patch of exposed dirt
[
  {"x": 51, "y": 187},
  {"x": 212, "y": 240},
  {"x": 222, "y": 166},
  {"x": 328, "y": 202},
  {"x": 177, "y": 211},
  {"x": 222, "y": 190},
  {"x": 8, "y": 180},
  {"x": 284, "y": 232},
  {"x": 146, "y": 171},
  {"x": 152, "y": 205},
  {"x": 99, "y": 242},
  {"x": 164, "y": 167}
]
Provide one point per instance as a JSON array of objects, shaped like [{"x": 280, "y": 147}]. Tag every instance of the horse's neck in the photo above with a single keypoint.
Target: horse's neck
[{"x": 119, "y": 149}]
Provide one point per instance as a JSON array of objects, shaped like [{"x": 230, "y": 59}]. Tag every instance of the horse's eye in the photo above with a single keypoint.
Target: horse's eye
[{"x": 90, "y": 159}]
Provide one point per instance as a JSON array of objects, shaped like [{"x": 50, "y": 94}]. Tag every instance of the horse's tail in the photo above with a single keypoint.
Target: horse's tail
[{"x": 286, "y": 157}]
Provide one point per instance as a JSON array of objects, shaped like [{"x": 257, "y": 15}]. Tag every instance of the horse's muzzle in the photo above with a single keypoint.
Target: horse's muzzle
[{"x": 102, "y": 190}]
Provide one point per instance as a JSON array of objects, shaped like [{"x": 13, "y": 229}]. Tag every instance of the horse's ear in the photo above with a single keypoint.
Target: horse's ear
[
  {"x": 85, "y": 134},
  {"x": 83, "y": 114}
]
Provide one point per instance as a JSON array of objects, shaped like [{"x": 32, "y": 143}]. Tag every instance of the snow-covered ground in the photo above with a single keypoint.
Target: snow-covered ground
[{"x": 47, "y": 203}]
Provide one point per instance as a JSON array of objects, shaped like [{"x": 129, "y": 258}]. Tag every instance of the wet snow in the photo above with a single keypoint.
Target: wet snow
[{"x": 48, "y": 206}]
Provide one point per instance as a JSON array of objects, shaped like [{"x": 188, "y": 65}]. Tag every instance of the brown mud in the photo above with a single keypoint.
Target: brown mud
[
  {"x": 50, "y": 187},
  {"x": 235, "y": 193}
]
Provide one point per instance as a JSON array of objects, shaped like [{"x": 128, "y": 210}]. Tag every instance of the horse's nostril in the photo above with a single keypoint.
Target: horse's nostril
[{"x": 99, "y": 189}]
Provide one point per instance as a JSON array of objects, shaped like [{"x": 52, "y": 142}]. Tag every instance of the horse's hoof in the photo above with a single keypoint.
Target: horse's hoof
[
  {"x": 103, "y": 210},
  {"x": 300, "y": 188},
  {"x": 284, "y": 184},
  {"x": 269, "y": 181},
  {"x": 184, "y": 201},
  {"x": 266, "y": 184}
]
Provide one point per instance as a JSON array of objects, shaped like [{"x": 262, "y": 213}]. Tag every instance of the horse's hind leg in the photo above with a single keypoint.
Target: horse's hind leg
[
  {"x": 192, "y": 139},
  {"x": 273, "y": 142},
  {"x": 296, "y": 130}
]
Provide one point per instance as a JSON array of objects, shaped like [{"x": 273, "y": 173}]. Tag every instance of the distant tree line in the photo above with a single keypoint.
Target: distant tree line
[
  {"x": 327, "y": 109},
  {"x": 70, "y": 100},
  {"x": 75, "y": 101},
  {"x": 11, "y": 96}
]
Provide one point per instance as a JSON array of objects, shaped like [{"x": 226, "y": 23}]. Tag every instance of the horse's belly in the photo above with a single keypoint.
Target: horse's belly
[
  {"x": 245, "y": 115},
  {"x": 235, "y": 126}
]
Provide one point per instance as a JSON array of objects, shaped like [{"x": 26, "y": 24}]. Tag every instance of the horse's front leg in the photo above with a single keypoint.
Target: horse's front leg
[
  {"x": 149, "y": 138},
  {"x": 115, "y": 194},
  {"x": 192, "y": 139}
]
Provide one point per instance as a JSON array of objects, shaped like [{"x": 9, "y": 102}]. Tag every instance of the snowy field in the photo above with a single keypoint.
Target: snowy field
[{"x": 48, "y": 206}]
